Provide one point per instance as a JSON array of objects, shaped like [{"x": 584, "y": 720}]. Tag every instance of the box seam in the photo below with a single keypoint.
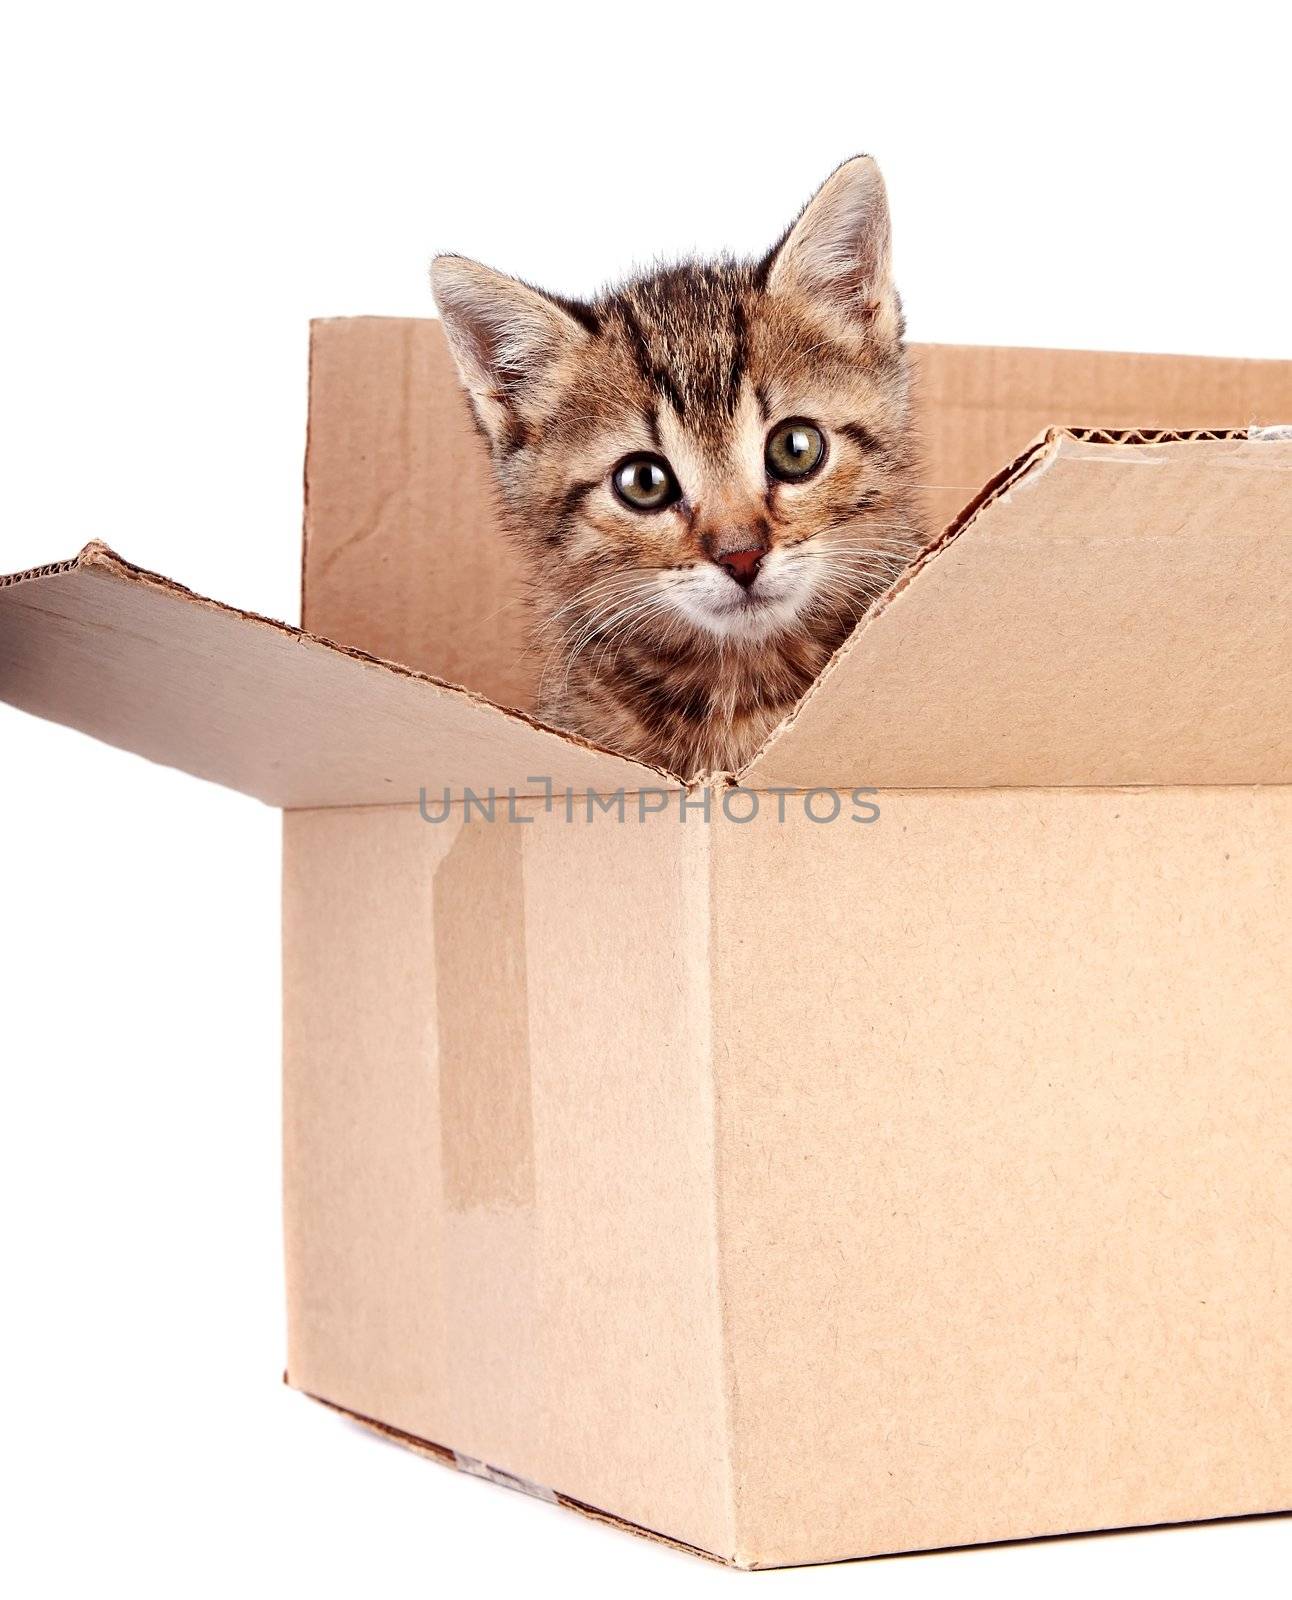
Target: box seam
[{"x": 726, "y": 1364}]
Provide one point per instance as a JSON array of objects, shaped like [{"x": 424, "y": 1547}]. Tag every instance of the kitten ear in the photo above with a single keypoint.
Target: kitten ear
[
  {"x": 503, "y": 335},
  {"x": 837, "y": 252}
]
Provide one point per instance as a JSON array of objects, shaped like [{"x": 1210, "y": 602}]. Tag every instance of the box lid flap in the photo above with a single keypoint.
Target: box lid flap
[
  {"x": 144, "y": 664},
  {"x": 1114, "y": 609}
]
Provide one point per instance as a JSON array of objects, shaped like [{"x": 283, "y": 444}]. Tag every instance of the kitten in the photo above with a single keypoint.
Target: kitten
[{"x": 710, "y": 469}]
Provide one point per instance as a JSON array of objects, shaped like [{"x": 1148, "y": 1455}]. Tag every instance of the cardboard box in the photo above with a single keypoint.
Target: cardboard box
[{"x": 790, "y": 1189}]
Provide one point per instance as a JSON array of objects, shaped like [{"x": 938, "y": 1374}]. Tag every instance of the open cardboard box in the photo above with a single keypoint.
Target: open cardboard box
[{"x": 789, "y": 1191}]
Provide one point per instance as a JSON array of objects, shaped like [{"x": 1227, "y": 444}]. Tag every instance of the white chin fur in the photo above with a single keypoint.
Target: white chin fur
[{"x": 709, "y": 600}]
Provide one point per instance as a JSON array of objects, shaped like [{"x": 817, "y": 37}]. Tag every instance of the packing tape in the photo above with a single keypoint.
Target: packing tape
[
  {"x": 508, "y": 1480},
  {"x": 482, "y": 1021}
]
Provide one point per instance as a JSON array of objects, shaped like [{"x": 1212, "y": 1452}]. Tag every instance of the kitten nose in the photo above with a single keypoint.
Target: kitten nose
[{"x": 742, "y": 565}]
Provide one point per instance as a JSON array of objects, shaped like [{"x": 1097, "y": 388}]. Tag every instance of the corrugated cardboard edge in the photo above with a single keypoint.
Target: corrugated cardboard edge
[
  {"x": 99, "y": 557},
  {"x": 446, "y": 1457},
  {"x": 53, "y": 569},
  {"x": 305, "y": 467},
  {"x": 1035, "y": 459}
]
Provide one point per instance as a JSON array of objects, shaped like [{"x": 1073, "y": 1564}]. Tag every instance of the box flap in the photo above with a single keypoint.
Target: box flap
[
  {"x": 405, "y": 553},
  {"x": 1114, "y": 610},
  {"x": 146, "y": 665}
]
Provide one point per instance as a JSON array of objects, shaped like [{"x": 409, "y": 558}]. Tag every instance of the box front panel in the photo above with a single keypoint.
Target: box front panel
[
  {"x": 1005, "y": 1155},
  {"x": 499, "y": 1156}
]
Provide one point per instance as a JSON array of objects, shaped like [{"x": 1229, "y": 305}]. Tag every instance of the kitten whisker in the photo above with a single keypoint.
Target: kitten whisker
[{"x": 606, "y": 618}]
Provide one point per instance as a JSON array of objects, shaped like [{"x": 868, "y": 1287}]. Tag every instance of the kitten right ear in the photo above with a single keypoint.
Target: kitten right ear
[
  {"x": 503, "y": 335},
  {"x": 836, "y": 255}
]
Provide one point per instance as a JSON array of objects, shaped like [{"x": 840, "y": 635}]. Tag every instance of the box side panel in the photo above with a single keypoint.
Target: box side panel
[
  {"x": 499, "y": 1149},
  {"x": 978, "y": 406},
  {"x": 404, "y": 550},
  {"x": 1005, "y": 1157}
]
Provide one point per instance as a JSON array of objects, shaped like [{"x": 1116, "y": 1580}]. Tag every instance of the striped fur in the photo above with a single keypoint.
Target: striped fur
[{"x": 649, "y": 645}]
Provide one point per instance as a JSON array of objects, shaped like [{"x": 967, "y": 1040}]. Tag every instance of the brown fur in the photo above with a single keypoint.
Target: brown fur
[{"x": 648, "y": 645}]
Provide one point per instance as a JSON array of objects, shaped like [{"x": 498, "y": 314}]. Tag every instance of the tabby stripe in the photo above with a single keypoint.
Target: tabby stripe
[
  {"x": 654, "y": 375},
  {"x": 663, "y": 702},
  {"x": 517, "y": 435},
  {"x": 565, "y": 508},
  {"x": 740, "y": 356},
  {"x": 861, "y": 436},
  {"x": 585, "y": 315}
]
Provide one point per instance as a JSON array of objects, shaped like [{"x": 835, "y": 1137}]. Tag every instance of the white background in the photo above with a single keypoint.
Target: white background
[{"x": 184, "y": 186}]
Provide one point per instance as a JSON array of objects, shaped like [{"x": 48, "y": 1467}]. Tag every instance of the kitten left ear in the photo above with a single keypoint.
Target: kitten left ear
[
  {"x": 838, "y": 251},
  {"x": 502, "y": 333}
]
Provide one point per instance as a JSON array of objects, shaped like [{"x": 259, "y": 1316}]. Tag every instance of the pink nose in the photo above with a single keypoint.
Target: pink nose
[{"x": 742, "y": 565}]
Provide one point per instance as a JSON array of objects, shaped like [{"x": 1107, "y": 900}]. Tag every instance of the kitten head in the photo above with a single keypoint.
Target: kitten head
[{"x": 713, "y": 452}]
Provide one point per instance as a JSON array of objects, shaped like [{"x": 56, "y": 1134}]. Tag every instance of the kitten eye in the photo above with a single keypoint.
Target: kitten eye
[
  {"x": 795, "y": 449},
  {"x": 645, "y": 483}
]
